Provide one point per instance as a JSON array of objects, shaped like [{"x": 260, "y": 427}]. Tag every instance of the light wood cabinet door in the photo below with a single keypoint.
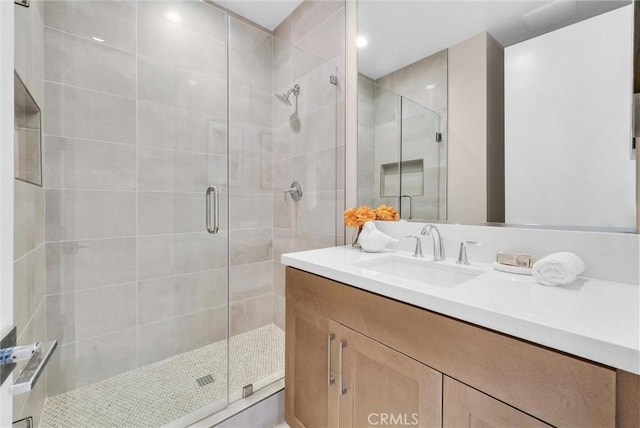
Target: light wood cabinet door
[
  {"x": 310, "y": 392},
  {"x": 464, "y": 406},
  {"x": 382, "y": 387}
]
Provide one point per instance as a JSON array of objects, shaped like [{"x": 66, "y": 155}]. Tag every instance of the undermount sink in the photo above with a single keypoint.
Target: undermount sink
[{"x": 424, "y": 271}]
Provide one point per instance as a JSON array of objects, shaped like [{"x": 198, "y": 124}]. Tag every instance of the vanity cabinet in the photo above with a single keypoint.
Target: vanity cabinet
[
  {"x": 310, "y": 378},
  {"x": 396, "y": 359},
  {"x": 341, "y": 378}
]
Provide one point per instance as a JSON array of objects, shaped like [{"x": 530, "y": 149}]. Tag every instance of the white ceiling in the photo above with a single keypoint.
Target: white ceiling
[
  {"x": 401, "y": 32},
  {"x": 268, "y": 13}
]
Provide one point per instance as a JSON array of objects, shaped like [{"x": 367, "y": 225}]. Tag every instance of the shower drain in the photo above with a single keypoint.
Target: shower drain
[{"x": 205, "y": 380}]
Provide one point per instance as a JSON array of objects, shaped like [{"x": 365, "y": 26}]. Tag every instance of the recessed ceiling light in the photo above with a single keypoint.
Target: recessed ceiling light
[
  {"x": 97, "y": 39},
  {"x": 173, "y": 17},
  {"x": 431, "y": 86},
  {"x": 361, "y": 41}
]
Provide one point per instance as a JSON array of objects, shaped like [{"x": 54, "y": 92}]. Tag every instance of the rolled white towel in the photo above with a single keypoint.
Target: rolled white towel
[{"x": 558, "y": 269}]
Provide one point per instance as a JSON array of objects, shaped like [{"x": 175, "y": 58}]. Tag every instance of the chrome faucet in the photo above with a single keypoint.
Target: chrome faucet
[{"x": 438, "y": 243}]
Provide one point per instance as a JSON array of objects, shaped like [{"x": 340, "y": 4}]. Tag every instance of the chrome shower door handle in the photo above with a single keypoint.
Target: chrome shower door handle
[
  {"x": 410, "y": 205},
  {"x": 215, "y": 227}
]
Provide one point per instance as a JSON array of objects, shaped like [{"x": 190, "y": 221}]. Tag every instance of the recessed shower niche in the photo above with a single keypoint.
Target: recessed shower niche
[
  {"x": 27, "y": 135},
  {"x": 412, "y": 174}
]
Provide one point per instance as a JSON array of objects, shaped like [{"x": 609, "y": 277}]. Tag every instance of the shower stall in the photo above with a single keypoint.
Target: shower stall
[
  {"x": 402, "y": 153},
  {"x": 171, "y": 130}
]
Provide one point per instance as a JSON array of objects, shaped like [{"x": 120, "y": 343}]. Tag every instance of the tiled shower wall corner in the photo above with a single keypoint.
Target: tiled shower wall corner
[
  {"x": 135, "y": 130},
  {"x": 311, "y": 150},
  {"x": 29, "y": 234}
]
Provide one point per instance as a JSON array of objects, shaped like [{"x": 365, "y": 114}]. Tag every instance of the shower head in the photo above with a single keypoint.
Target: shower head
[{"x": 284, "y": 98}]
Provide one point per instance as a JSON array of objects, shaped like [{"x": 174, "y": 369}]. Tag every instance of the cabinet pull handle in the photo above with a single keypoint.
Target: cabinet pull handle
[
  {"x": 330, "y": 379},
  {"x": 343, "y": 389}
]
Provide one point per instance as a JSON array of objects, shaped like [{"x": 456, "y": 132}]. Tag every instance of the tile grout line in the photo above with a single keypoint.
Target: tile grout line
[
  {"x": 137, "y": 213},
  {"x": 31, "y": 251}
]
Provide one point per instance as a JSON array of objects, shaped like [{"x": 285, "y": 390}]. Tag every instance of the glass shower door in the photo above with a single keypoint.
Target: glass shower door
[
  {"x": 135, "y": 133},
  {"x": 421, "y": 174}
]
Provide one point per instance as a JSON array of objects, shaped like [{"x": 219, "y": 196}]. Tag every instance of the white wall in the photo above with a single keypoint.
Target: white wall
[
  {"x": 6, "y": 189},
  {"x": 568, "y": 125}
]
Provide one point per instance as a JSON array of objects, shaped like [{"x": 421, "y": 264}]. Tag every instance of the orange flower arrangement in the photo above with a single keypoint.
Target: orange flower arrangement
[
  {"x": 384, "y": 212},
  {"x": 357, "y": 217}
]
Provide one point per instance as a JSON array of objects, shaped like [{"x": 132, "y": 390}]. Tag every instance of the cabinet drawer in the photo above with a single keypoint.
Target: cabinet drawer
[{"x": 466, "y": 407}]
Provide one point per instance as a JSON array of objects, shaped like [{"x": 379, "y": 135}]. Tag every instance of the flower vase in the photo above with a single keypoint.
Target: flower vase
[{"x": 356, "y": 243}]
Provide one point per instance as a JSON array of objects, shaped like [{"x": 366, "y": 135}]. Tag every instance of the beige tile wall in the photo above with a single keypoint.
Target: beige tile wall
[
  {"x": 366, "y": 141},
  {"x": 29, "y": 210}
]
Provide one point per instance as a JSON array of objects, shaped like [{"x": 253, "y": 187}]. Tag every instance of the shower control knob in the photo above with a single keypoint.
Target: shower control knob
[{"x": 295, "y": 191}]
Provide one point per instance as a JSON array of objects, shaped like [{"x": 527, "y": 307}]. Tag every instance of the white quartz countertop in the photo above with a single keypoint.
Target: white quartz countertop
[{"x": 593, "y": 319}]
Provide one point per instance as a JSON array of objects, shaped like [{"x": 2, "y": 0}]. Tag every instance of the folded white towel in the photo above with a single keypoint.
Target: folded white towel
[{"x": 558, "y": 269}]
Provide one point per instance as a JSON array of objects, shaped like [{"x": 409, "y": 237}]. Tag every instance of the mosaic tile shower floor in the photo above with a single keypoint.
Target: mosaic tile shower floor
[{"x": 160, "y": 393}]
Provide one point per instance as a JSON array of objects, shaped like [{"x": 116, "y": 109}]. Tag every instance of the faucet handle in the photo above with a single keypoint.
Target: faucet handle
[
  {"x": 418, "y": 250},
  {"x": 295, "y": 191},
  {"x": 462, "y": 255}
]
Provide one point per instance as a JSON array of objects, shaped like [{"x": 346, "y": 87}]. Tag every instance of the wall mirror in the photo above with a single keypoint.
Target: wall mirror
[
  {"x": 27, "y": 135},
  {"x": 511, "y": 112}
]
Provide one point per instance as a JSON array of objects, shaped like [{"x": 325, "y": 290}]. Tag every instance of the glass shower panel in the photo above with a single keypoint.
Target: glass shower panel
[
  {"x": 273, "y": 141},
  {"x": 420, "y": 166},
  {"x": 255, "y": 341},
  {"x": 135, "y": 132}
]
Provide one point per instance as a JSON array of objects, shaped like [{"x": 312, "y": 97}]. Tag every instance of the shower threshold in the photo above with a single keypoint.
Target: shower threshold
[{"x": 161, "y": 393}]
